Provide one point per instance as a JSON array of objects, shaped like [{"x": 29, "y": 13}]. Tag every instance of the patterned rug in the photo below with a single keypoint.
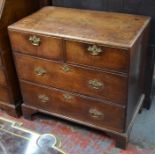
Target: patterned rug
[{"x": 77, "y": 139}]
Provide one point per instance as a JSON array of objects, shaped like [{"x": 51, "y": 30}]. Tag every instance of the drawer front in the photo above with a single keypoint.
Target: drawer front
[
  {"x": 89, "y": 82},
  {"x": 97, "y": 56},
  {"x": 72, "y": 106},
  {"x": 2, "y": 78},
  {"x": 4, "y": 96},
  {"x": 37, "y": 45}
]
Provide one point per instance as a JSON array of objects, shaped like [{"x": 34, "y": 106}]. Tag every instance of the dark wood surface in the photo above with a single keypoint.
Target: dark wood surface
[
  {"x": 45, "y": 3},
  {"x": 121, "y": 89},
  {"x": 114, "y": 85},
  {"x": 4, "y": 95},
  {"x": 11, "y": 11},
  {"x": 141, "y": 7},
  {"x": 2, "y": 78},
  {"x": 109, "y": 58},
  {"x": 77, "y": 108},
  {"x": 137, "y": 76},
  {"x": 86, "y": 27},
  {"x": 54, "y": 51},
  {"x": 0, "y": 62}
]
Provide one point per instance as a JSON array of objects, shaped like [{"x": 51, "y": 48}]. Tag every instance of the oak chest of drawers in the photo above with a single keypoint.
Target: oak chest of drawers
[{"x": 84, "y": 66}]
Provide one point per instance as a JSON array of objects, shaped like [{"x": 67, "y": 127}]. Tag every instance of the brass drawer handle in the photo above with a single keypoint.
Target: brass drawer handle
[
  {"x": 95, "y": 113},
  {"x": 95, "y": 84},
  {"x": 67, "y": 97},
  {"x": 43, "y": 98},
  {"x": 66, "y": 68},
  {"x": 35, "y": 40},
  {"x": 40, "y": 71},
  {"x": 94, "y": 50}
]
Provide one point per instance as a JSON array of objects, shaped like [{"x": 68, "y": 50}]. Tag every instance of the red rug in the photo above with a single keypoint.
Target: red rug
[{"x": 76, "y": 139}]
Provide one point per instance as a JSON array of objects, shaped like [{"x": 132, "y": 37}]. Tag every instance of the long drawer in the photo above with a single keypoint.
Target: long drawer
[
  {"x": 84, "y": 81},
  {"x": 37, "y": 45},
  {"x": 74, "y": 106},
  {"x": 2, "y": 78},
  {"x": 4, "y": 95},
  {"x": 97, "y": 56}
]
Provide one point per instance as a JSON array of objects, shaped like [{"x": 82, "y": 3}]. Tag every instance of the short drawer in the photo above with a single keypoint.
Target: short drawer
[
  {"x": 37, "y": 45},
  {"x": 97, "y": 56},
  {"x": 73, "y": 106},
  {"x": 4, "y": 96},
  {"x": 81, "y": 80},
  {"x": 2, "y": 78}
]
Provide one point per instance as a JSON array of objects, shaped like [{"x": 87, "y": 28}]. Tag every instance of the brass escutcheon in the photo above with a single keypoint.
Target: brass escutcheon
[
  {"x": 95, "y": 84},
  {"x": 40, "y": 71},
  {"x": 66, "y": 68},
  {"x": 43, "y": 98},
  {"x": 95, "y": 113},
  {"x": 35, "y": 40},
  {"x": 94, "y": 50}
]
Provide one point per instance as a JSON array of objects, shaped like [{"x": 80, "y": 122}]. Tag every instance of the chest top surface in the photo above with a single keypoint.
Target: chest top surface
[{"x": 107, "y": 28}]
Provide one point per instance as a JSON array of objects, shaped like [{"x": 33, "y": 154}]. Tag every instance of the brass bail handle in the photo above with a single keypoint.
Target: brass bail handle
[
  {"x": 36, "y": 41},
  {"x": 96, "y": 113},
  {"x": 40, "y": 71},
  {"x": 43, "y": 98},
  {"x": 94, "y": 50},
  {"x": 95, "y": 84}
]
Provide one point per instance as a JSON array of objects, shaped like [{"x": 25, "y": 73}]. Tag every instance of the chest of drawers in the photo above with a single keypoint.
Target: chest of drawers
[{"x": 83, "y": 66}]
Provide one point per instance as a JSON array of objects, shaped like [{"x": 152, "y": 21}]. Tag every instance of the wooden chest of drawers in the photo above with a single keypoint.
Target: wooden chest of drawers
[
  {"x": 10, "y": 12},
  {"x": 84, "y": 66}
]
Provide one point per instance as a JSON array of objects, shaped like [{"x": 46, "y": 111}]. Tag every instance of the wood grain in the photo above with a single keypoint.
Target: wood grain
[
  {"x": 75, "y": 108},
  {"x": 2, "y": 78},
  {"x": 4, "y": 95},
  {"x": 76, "y": 80},
  {"x": 86, "y": 28},
  {"x": 110, "y": 73},
  {"x": 10, "y": 12},
  {"x": 49, "y": 47},
  {"x": 109, "y": 58}
]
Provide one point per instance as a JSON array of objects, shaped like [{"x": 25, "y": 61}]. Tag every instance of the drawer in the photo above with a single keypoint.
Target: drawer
[
  {"x": 97, "y": 56},
  {"x": 89, "y": 82},
  {"x": 37, "y": 45},
  {"x": 2, "y": 78},
  {"x": 73, "y": 106},
  {"x": 4, "y": 96}
]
